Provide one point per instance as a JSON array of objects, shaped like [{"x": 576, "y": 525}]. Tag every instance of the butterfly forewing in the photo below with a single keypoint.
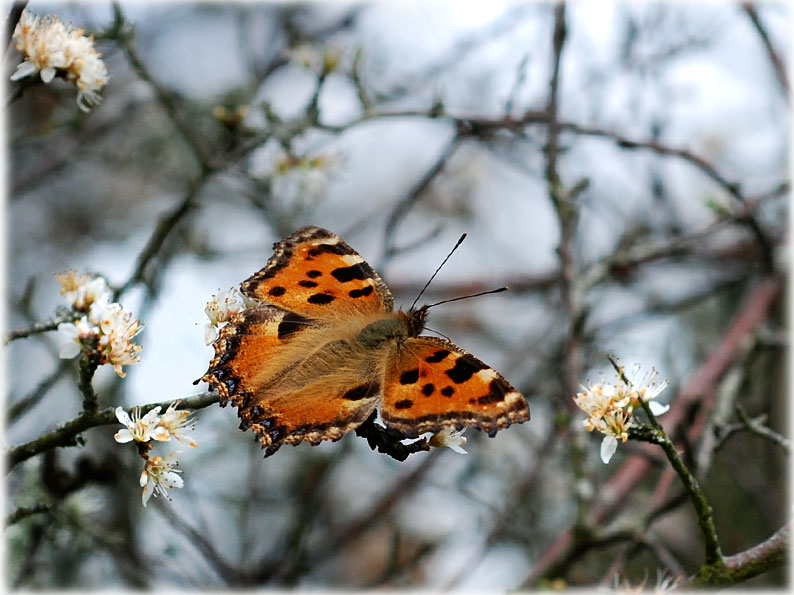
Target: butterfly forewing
[{"x": 315, "y": 273}]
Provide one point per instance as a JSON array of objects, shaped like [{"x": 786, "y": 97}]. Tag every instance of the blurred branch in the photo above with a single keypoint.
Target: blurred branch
[
  {"x": 165, "y": 225},
  {"x": 68, "y": 434},
  {"x": 27, "y": 403},
  {"x": 121, "y": 30},
  {"x": 527, "y": 480},
  {"x": 24, "y": 512},
  {"x": 87, "y": 365},
  {"x": 398, "y": 491},
  {"x": 511, "y": 18},
  {"x": 202, "y": 543},
  {"x": 757, "y": 427},
  {"x": 11, "y": 22},
  {"x": 564, "y": 201},
  {"x": 774, "y": 55},
  {"x": 403, "y": 206}
]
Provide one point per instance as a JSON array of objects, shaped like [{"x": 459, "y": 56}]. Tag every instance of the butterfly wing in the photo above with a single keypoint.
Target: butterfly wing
[
  {"x": 314, "y": 273},
  {"x": 292, "y": 379},
  {"x": 284, "y": 364},
  {"x": 432, "y": 384}
]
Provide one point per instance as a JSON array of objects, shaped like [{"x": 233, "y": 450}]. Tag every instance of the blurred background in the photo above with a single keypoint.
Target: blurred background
[{"x": 623, "y": 167}]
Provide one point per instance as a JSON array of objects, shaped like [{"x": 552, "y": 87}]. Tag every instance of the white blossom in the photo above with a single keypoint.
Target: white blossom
[
  {"x": 451, "y": 439},
  {"x": 71, "y": 336},
  {"x": 221, "y": 308},
  {"x": 81, "y": 291},
  {"x": 610, "y": 407},
  {"x": 159, "y": 476},
  {"x": 175, "y": 423},
  {"x": 52, "y": 48},
  {"x": 302, "y": 179},
  {"x": 137, "y": 428},
  {"x": 118, "y": 328}
]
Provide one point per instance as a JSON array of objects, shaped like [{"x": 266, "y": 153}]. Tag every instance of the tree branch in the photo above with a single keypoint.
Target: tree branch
[{"x": 68, "y": 434}]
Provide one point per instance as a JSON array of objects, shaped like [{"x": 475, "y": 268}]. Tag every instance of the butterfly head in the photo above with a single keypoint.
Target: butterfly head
[{"x": 416, "y": 320}]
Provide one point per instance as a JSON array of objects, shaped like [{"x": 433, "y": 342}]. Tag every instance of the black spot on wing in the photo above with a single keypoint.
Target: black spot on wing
[
  {"x": 497, "y": 390},
  {"x": 362, "y": 392},
  {"x": 465, "y": 367},
  {"x": 313, "y": 274},
  {"x": 404, "y": 404},
  {"x": 277, "y": 291},
  {"x": 320, "y": 299},
  {"x": 354, "y": 272},
  {"x": 363, "y": 292},
  {"x": 338, "y": 249},
  {"x": 409, "y": 377},
  {"x": 291, "y": 323},
  {"x": 438, "y": 356},
  {"x": 309, "y": 284},
  {"x": 428, "y": 389},
  {"x": 447, "y": 391}
]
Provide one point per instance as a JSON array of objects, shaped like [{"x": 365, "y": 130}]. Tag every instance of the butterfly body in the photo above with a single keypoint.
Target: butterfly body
[{"x": 325, "y": 348}]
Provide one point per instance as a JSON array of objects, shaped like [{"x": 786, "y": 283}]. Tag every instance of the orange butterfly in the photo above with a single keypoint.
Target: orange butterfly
[{"x": 325, "y": 348}]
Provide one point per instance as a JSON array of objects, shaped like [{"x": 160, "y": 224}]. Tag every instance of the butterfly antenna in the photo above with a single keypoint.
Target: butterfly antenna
[
  {"x": 460, "y": 241},
  {"x": 439, "y": 333},
  {"x": 465, "y": 297}
]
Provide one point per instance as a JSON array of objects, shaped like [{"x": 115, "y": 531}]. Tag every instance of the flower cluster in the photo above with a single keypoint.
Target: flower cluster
[
  {"x": 333, "y": 55},
  {"x": 610, "y": 407},
  {"x": 220, "y": 309},
  {"x": 302, "y": 178},
  {"x": 53, "y": 48},
  {"x": 105, "y": 329},
  {"x": 159, "y": 473}
]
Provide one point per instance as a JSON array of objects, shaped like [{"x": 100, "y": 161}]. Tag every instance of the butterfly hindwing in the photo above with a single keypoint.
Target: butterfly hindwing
[
  {"x": 313, "y": 272},
  {"x": 291, "y": 378},
  {"x": 432, "y": 385}
]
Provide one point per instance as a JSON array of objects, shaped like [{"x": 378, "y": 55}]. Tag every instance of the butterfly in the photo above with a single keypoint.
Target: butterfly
[{"x": 324, "y": 348}]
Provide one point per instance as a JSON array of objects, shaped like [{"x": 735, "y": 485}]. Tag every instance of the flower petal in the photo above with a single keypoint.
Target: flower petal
[
  {"x": 658, "y": 408},
  {"x": 608, "y": 447},
  {"x": 24, "y": 69},
  {"x": 123, "y": 436},
  {"x": 69, "y": 350},
  {"x": 123, "y": 416}
]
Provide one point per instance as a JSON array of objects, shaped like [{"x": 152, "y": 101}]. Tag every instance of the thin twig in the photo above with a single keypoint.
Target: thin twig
[
  {"x": 401, "y": 209},
  {"x": 703, "y": 511},
  {"x": 774, "y": 55},
  {"x": 756, "y": 427},
  {"x": 40, "y": 327},
  {"x": 24, "y": 512}
]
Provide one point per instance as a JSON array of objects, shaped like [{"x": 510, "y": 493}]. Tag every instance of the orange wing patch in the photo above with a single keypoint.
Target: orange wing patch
[
  {"x": 244, "y": 344},
  {"x": 315, "y": 273},
  {"x": 309, "y": 415},
  {"x": 432, "y": 385}
]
